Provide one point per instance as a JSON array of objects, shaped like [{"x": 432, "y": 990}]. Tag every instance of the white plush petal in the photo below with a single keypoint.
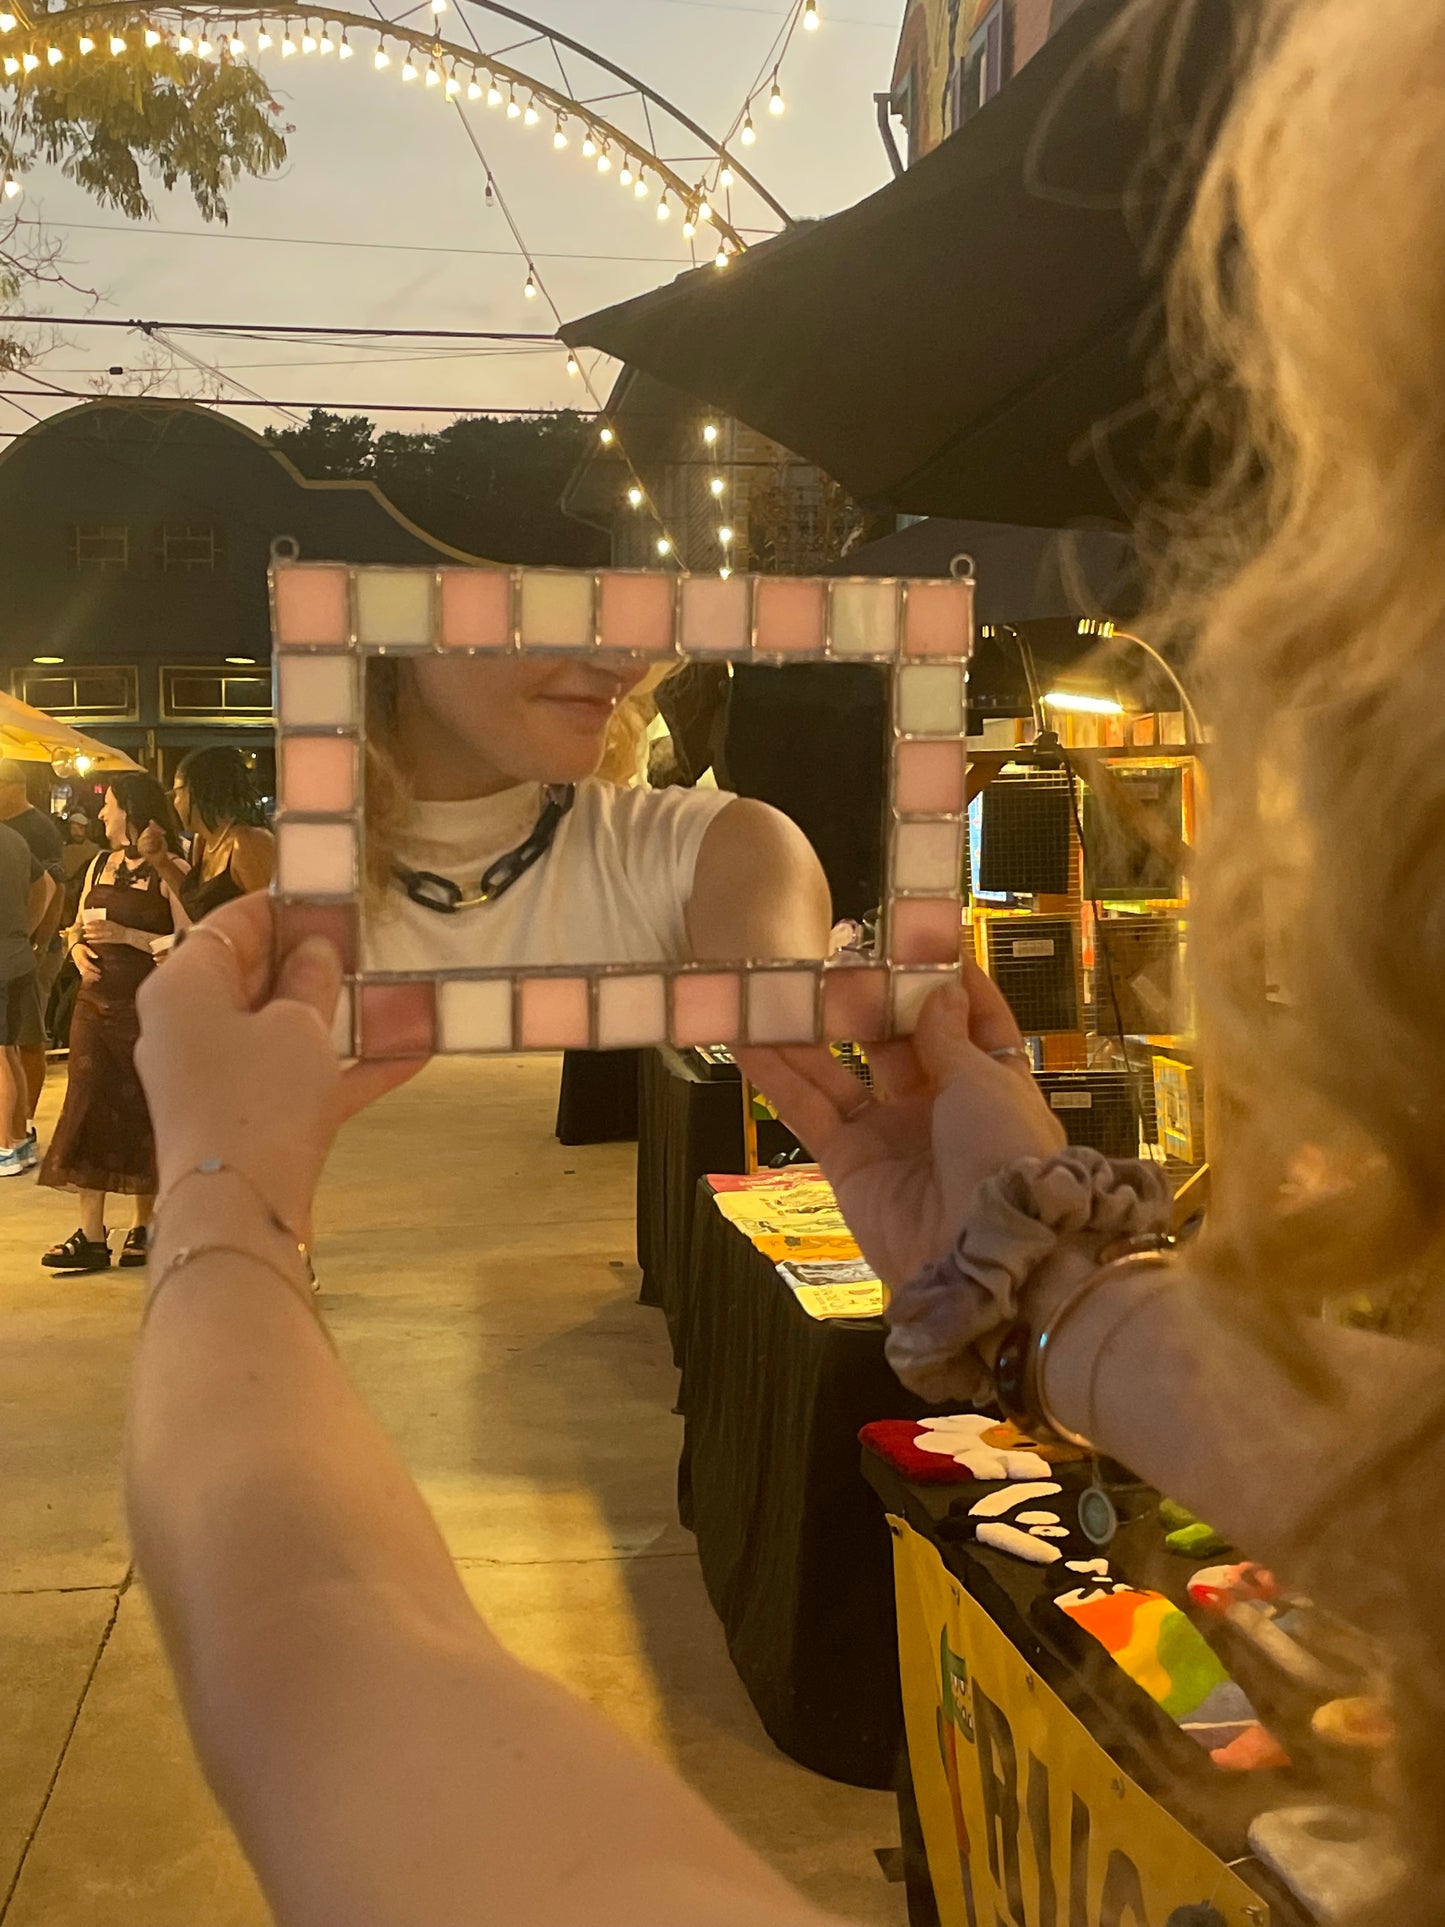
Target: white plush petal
[
  {"x": 1000, "y": 1502},
  {"x": 982, "y": 1462},
  {"x": 1049, "y": 1532},
  {"x": 1037, "y": 1519},
  {"x": 1099, "y": 1567},
  {"x": 974, "y": 1424},
  {"x": 1008, "y": 1539},
  {"x": 1026, "y": 1465},
  {"x": 938, "y": 1442}
]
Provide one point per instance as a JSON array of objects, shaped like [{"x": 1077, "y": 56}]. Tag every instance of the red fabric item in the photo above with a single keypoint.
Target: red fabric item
[{"x": 892, "y": 1440}]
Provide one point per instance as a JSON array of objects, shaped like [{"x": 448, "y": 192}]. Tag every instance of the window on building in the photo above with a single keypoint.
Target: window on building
[
  {"x": 986, "y": 67},
  {"x": 100, "y": 545},
  {"x": 189, "y": 548},
  {"x": 82, "y": 694},
  {"x": 191, "y": 692}
]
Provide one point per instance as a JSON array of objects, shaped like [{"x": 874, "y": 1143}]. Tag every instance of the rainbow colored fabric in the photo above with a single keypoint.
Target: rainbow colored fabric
[{"x": 1164, "y": 1653}]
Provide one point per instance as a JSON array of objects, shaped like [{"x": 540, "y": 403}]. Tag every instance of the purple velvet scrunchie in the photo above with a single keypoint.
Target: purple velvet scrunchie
[{"x": 1015, "y": 1220}]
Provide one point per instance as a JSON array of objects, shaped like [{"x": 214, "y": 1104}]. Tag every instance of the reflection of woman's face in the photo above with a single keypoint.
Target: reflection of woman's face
[
  {"x": 181, "y": 799},
  {"x": 469, "y": 725},
  {"x": 115, "y": 822}
]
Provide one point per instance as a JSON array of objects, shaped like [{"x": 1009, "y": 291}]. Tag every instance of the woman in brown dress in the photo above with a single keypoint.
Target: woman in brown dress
[{"x": 103, "y": 1141}]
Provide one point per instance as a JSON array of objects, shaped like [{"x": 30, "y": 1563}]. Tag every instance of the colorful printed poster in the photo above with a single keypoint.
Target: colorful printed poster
[{"x": 843, "y": 1288}]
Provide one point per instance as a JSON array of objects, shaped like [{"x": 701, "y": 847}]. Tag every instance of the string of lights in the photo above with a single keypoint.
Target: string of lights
[{"x": 420, "y": 56}]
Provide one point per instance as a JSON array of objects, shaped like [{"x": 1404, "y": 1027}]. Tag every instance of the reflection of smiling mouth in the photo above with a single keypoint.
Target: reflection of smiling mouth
[{"x": 589, "y": 712}]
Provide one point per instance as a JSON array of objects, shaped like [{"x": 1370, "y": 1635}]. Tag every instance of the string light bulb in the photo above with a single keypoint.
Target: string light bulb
[
  {"x": 490, "y": 197},
  {"x": 810, "y": 16},
  {"x": 749, "y": 133},
  {"x": 721, "y": 258},
  {"x": 725, "y": 535},
  {"x": 30, "y": 61},
  {"x": 726, "y": 177},
  {"x": 689, "y": 225},
  {"x": 408, "y": 67},
  {"x": 474, "y": 88},
  {"x": 710, "y": 433},
  {"x": 513, "y": 109},
  {"x": 8, "y": 24},
  {"x": 438, "y": 6},
  {"x": 634, "y": 496},
  {"x": 325, "y": 44},
  {"x": 204, "y": 48},
  {"x": 308, "y": 42},
  {"x": 625, "y": 177},
  {"x": 11, "y": 188},
  {"x": 559, "y": 136},
  {"x": 85, "y": 44},
  {"x": 589, "y": 146},
  {"x": 344, "y": 51},
  {"x": 664, "y": 207},
  {"x": 530, "y": 291},
  {"x": 664, "y": 546},
  {"x": 717, "y": 485},
  {"x": 263, "y": 42},
  {"x": 776, "y": 103},
  {"x": 117, "y": 45},
  {"x": 494, "y": 95},
  {"x": 12, "y": 66},
  {"x": 604, "y": 162},
  {"x": 237, "y": 46},
  {"x": 531, "y": 116},
  {"x": 574, "y": 367},
  {"x": 185, "y": 44},
  {"x": 288, "y": 45},
  {"x": 433, "y": 75},
  {"x": 452, "y": 87},
  {"x": 54, "y": 56},
  {"x": 725, "y": 572},
  {"x": 381, "y": 59},
  {"x": 704, "y": 209},
  {"x": 642, "y": 188}
]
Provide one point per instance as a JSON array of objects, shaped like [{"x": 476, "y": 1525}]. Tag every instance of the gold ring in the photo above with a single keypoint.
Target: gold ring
[{"x": 851, "y": 1117}]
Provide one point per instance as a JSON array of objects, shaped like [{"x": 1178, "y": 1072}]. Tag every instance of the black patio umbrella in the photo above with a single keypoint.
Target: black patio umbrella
[{"x": 975, "y": 339}]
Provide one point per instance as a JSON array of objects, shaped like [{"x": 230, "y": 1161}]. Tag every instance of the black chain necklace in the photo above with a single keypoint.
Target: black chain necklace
[{"x": 446, "y": 898}]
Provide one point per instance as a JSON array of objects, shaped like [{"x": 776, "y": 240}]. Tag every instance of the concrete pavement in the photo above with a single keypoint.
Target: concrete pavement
[{"x": 481, "y": 1285}]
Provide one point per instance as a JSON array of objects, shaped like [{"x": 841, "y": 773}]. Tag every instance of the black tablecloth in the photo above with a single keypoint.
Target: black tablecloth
[
  {"x": 1216, "y": 1807},
  {"x": 793, "y": 1546},
  {"x": 597, "y": 1103},
  {"x": 687, "y": 1125}
]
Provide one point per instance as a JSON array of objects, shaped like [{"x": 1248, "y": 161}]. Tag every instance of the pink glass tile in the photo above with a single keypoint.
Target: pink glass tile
[
  {"x": 398, "y": 1020},
  {"x": 337, "y": 922},
  {"x": 938, "y": 619},
  {"x": 555, "y": 1014},
  {"x": 791, "y": 617},
  {"x": 928, "y": 779},
  {"x": 863, "y": 620},
  {"x": 707, "y": 1009},
  {"x": 716, "y": 615},
  {"x": 318, "y": 774},
  {"x": 637, "y": 612},
  {"x": 855, "y": 1004},
  {"x": 312, "y": 609},
  {"x": 556, "y": 609},
  {"x": 631, "y": 1011},
  {"x": 911, "y": 991},
  {"x": 782, "y": 1007},
  {"x": 925, "y": 930},
  {"x": 476, "y": 609}
]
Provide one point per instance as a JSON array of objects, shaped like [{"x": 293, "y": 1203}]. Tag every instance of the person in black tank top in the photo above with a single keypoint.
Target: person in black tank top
[{"x": 232, "y": 852}]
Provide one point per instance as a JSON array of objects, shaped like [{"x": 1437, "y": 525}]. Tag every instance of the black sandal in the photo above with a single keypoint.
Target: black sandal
[
  {"x": 136, "y": 1248},
  {"x": 79, "y": 1253}
]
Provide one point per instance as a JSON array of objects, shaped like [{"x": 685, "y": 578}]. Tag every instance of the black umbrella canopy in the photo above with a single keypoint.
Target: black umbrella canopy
[{"x": 975, "y": 339}]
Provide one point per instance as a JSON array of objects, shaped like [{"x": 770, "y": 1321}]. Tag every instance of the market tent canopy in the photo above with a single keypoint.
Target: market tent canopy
[
  {"x": 973, "y": 340},
  {"x": 30, "y": 736}
]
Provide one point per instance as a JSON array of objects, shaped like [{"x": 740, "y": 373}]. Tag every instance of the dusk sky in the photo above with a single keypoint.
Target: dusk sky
[{"x": 379, "y": 219}]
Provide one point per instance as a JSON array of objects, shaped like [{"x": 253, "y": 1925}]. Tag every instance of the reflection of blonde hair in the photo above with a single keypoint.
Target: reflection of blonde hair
[
  {"x": 388, "y": 782},
  {"x": 1309, "y": 325}
]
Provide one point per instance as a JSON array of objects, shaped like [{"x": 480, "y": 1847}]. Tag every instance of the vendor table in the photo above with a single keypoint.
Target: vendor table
[
  {"x": 687, "y": 1124},
  {"x": 1045, "y": 1786},
  {"x": 794, "y": 1549},
  {"x": 597, "y": 1102}
]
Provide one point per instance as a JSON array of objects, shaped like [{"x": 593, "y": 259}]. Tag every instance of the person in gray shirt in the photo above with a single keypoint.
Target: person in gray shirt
[{"x": 26, "y": 893}]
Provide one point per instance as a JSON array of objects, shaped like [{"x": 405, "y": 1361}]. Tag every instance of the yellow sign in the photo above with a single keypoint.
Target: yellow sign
[{"x": 1026, "y": 1820}]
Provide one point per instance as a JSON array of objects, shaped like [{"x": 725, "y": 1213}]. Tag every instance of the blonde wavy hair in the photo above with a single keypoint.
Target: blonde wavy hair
[
  {"x": 1308, "y": 337},
  {"x": 389, "y": 781}
]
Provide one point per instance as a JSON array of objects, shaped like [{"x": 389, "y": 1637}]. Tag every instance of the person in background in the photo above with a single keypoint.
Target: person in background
[
  {"x": 47, "y": 846},
  {"x": 80, "y": 851},
  {"x": 103, "y": 1141},
  {"x": 232, "y": 852},
  {"x": 26, "y": 893}
]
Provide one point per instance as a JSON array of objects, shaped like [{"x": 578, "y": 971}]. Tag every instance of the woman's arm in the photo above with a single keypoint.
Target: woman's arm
[
  {"x": 759, "y": 891},
  {"x": 253, "y": 861},
  {"x": 381, "y": 1757}
]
